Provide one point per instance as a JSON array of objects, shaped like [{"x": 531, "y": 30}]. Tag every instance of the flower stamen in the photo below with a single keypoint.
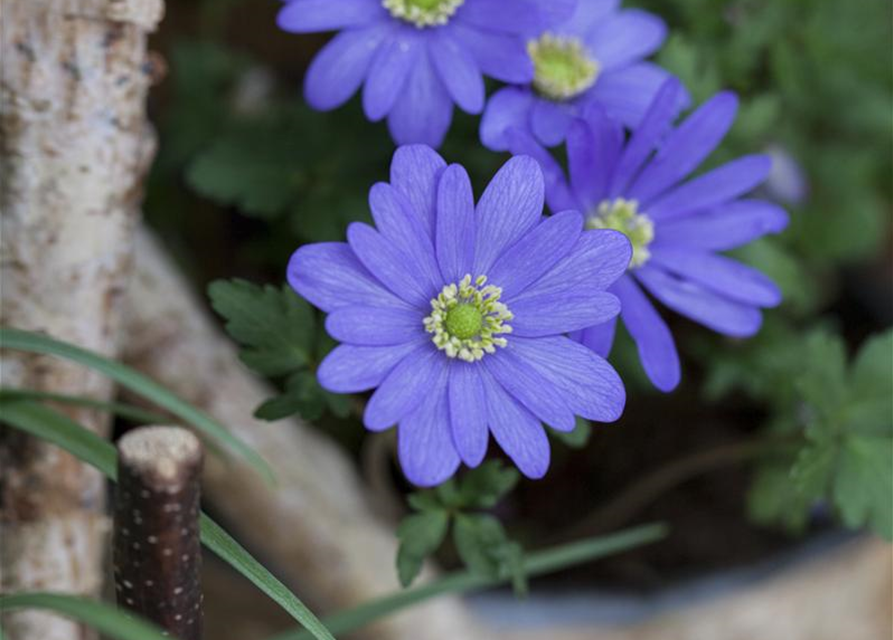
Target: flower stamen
[
  {"x": 423, "y": 13},
  {"x": 562, "y": 67},
  {"x": 467, "y": 319},
  {"x": 623, "y": 215}
]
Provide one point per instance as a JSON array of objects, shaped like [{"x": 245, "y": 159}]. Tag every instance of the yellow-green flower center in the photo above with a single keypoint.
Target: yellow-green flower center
[
  {"x": 562, "y": 67},
  {"x": 623, "y": 215},
  {"x": 467, "y": 319},
  {"x": 423, "y": 13}
]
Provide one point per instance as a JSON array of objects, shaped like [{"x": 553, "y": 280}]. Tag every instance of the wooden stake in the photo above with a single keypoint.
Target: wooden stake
[{"x": 157, "y": 552}]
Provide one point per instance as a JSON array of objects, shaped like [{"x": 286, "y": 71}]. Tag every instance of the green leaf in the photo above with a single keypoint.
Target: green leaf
[
  {"x": 127, "y": 411},
  {"x": 870, "y": 409},
  {"x": 420, "y": 535},
  {"x": 302, "y": 395},
  {"x": 576, "y": 439},
  {"x": 484, "y": 486},
  {"x": 773, "y": 498},
  {"x": 535, "y": 564},
  {"x": 863, "y": 487},
  {"x": 823, "y": 381},
  {"x": 98, "y": 615},
  {"x": 482, "y": 544},
  {"x": 274, "y": 325},
  {"x": 137, "y": 383},
  {"x": 44, "y": 423}
]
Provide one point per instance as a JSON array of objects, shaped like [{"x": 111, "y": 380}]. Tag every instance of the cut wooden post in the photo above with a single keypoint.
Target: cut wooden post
[{"x": 157, "y": 551}]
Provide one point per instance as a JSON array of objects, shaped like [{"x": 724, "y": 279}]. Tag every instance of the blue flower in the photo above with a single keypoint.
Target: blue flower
[
  {"x": 676, "y": 227},
  {"x": 595, "y": 57},
  {"x": 456, "y": 314},
  {"x": 416, "y": 58}
]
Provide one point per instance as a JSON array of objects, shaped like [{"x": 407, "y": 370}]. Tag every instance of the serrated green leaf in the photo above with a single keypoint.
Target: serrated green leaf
[
  {"x": 823, "y": 381},
  {"x": 484, "y": 486},
  {"x": 274, "y": 325},
  {"x": 424, "y": 501},
  {"x": 485, "y": 549},
  {"x": 302, "y": 395},
  {"x": 774, "y": 498},
  {"x": 863, "y": 487},
  {"x": 420, "y": 535},
  {"x": 870, "y": 409}
]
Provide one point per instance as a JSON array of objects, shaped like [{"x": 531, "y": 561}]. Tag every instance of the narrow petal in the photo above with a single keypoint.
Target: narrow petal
[
  {"x": 538, "y": 394},
  {"x": 599, "y": 337},
  {"x": 593, "y": 146},
  {"x": 627, "y": 93},
  {"x": 310, "y": 16},
  {"x": 686, "y": 147},
  {"x": 511, "y": 205},
  {"x": 458, "y": 71},
  {"x": 500, "y": 56},
  {"x": 455, "y": 224},
  {"x": 424, "y": 112},
  {"x": 415, "y": 172},
  {"x": 549, "y": 121},
  {"x": 468, "y": 412},
  {"x": 404, "y": 387},
  {"x": 715, "y": 187},
  {"x": 538, "y": 251},
  {"x": 626, "y": 37},
  {"x": 647, "y": 136},
  {"x": 340, "y": 67},
  {"x": 516, "y": 430},
  {"x": 591, "y": 386},
  {"x": 373, "y": 326},
  {"x": 424, "y": 441},
  {"x": 396, "y": 222},
  {"x": 590, "y": 13},
  {"x": 657, "y": 349},
  {"x": 558, "y": 192},
  {"x": 330, "y": 276},
  {"x": 525, "y": 16},
  {"x": 698, "y": 303},
  {"x": 726, "y": 227},
  {"x": 506, "y": 109},
  {"x": 720, "y": 274},
  {"x": 388, "y": 264},
  {"x": 388, "y": 74},
  {"x": 351, "y": 369},
  {"x": 556, "y": 314}
]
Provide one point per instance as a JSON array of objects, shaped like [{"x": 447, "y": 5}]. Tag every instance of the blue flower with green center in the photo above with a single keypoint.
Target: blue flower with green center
[
  {"x": 640, "y": 186},
  {"x": 456, "y": 313},
  {"x": 597, "y": 56},
  {"x": 415, "y": 59}
]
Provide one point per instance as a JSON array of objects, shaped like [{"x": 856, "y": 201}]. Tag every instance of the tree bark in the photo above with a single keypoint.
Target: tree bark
[
  {"x": 315, "y": 528},
  {"x": 75, "y": 146}
]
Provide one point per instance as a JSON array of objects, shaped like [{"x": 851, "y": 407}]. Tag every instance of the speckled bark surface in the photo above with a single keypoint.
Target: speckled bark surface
[{"x": 74, "y": 146}]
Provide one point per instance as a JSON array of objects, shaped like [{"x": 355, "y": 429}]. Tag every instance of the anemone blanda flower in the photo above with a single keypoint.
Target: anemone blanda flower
[
  {"x": 416, "y": 58},
  {"x": 456, "y": 314},
  {"x": 596, "y": 56},
  {"x": 676, "y": 226}
]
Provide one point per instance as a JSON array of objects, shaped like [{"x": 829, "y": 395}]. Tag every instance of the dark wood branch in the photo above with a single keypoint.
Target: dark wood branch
[{"x": 157, "y": 552}]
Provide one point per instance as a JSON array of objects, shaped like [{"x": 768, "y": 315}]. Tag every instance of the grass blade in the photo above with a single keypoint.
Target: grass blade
[
  {"x": 541, "y": 562},
  {"x": 47, "y": 424},
  {"x": 98, "y": 615},
  {"x": 137, "y": 383},
  {"x": 128, "y": 411}
]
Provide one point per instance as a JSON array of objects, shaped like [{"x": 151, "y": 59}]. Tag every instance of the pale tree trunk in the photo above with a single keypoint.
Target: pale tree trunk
[
  {"x": 75, "y": 146},
  {"x": 315, "y": 528}
]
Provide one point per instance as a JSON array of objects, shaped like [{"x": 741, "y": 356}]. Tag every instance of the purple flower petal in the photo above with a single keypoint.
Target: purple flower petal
[
  {"x": 626, "y": 37},
  {"x": 468, "y": 412},
  {"x": 424, "y": 112},
  {"x": 555, "y": 314},
  {"x": 372, "y": 326},
  {"x": 329, "y": 275},
  {"x": 507, "y": 108},
  {"x": 626, "y": 94},
  {"x": 726, "y": 227},
  {"x": 502, "y": 57},
  {"x": 700, "y": 304},
  {"x": 404, "y": 387},
  {"x": 455, "y": 224},
  {"x": 458, "y": 71},
  {"x": 398, "y": 225},
  {"x": 538, "y": 394},
  {"x": 591, "y": 387},
  {"x": 657, "y": 350},
  {"x": 549, "y": 121},
  {"x": 589, "y": 14},
  {"x": 340, "y": 67},
  {"x": 599, "y": 337},
  {"x": 686, "y": 147},
  {"x": 524, "y": 16},
  {"x": 538, "y": 251},
  {"x": 593, "y": 146},
  {"x": 655, "y": 124},
  {"x": 711, "y": 189},
  {"x": 511, "y": 205},
  {"x": 720, "y": 274},
  {"x": 516, "y": 430},
  {"x": 310, "y": 16},
  {"x": 558, "y": 193},
  {"x": 424, "y": 441},
  {"x": 387, "y": 264},
  {"x": 351, "y": 369},
  {"x": 388, "y": 73},
  {"x": 415, "y": 172}
]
